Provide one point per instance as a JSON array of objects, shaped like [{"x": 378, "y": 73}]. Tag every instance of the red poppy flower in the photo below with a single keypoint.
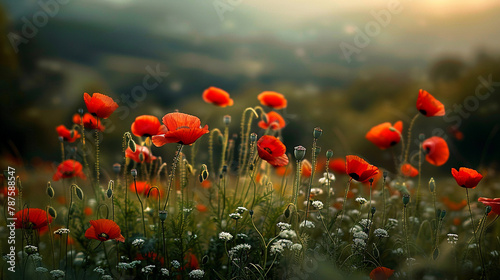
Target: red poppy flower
[
  {"x": 337, "y": 165},
  {"x": 100, "y": 105},
  {"x": 88, "y": 211},
  {"x": 306, "y": 169},
  {"x": 452, "y": 205},
  {"x": 385, "y": 135},
  {"x": 283, "y": 170},
  {"x": 436, "y": 150},
  {"x": 217, "y": 97},
  {"x": 68, "y": 169},
  {"x": 145, "y": 125},
  {"x": 201, "y": 208},
  {"x": 181, "y": 128},
  {"x": 104, "y": 229},
  {"x": 207, "y": 184},
  {"x": 66, "y": 133},
  {"x": 272, "y": 150},
  {"x": 89, "y": 121},
  {"x": 272, "y": 99},
  {"x": 274, "y": 121},
  {"x": 358, "y": 169},
  {"x": 143, "y": 188},
  {"x": 32, "y": 218},
  {"x": 428, "y": 105},
  {"x": 493, "y": 202},
  {"x": 136, "y": 156},
  {"x": 381, "y": 273},
  {"x": 466, "y": 177},
  {"x": 408, "y": 170}
]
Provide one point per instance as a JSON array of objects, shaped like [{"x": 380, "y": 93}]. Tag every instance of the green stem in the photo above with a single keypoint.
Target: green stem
[
  {"x": 172, "y": 174},
  {"x": 474, "y": 232},
  {"x": 408, "y": 140}
]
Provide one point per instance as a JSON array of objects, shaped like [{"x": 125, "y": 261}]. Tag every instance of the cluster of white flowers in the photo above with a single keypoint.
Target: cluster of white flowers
[
  {"x": 61, "y": 231},
  {"x": 235, "y": 216},
  {"x": 276, "y": 249},
  {"x": 176, "y": 264},
  {"x": 284, "y": 226},
  {"x": 165, "y": 272},
  {"x": 57, "y": 274},
  {"x": 398, "y": 251},
  {"x": 138, "y": 242},
  {"x": 414, "y": 220},
  {"x": 380, "y": 232},
  {"x": 353, "y": 212},
  {"x": 106, "y": 277},
  {"x": 241, "y": 210},
  {"x": 494, "y": 253},
  {"x": 365, "y": 223},
  {"x": 41, "y": 269},
  {"x": 307, "y": 224},
  {"x": 99, "y": 270},
  {"x": 125, "y": 266},
  {"x": 288, "y": 234},
  {"x": 355, "y": 229},
  {"x": 197, "y": 274},
  {"x": 296, "y": 247},
  {"x": 148, "y": 269},
  {"x": 36, "y": 257},
  {"x": 187, "y": 210},
  {"x": 327, "y": 177},
  {"x": 241, "y": 235},
  {"x": 410, "y": 261},
  {"x": 237, "y": 248},
  {"x": 359, "y": 243},
  {"x": 226, "y": 236},
  {"x": 361, "y": 200},
  {"x": 360, "y": 235},
  {"x": 317, "y": 204},
  {"x": 392, "y": 223},
  {"x": 452, "y": 238},
  {"x": 316, "y": 191}
]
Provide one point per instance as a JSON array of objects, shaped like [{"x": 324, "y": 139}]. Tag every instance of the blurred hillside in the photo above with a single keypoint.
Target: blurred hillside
[{"x": 106, "y": 46}]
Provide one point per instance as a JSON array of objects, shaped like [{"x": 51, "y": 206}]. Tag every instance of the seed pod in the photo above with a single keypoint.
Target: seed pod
[
  {"x": 250, "y": 212},
  {"x": 204, "y": 260},
  {"x": 317, "y": 132},
  {"x": 329, "y": 154},
  {"x": 317, "y": 151},
  {"x": 421, "y": 137},
  {"x": 299, "y": 153},
  {"x": 287, "y": 212},
  {"x": 373, "y": 210},
  {"x": 406, "y": 199},
  {"x": 224, "y": 169},
  {"x": 117, "y": 168},
  {"x": 79, "y": 192},
  {"x": 80, "y": 111},
  {"x": 487, "y": 210},
  {"x": 50, "y": 190},
  {"x": 443, "y": 214},
  {"x": 133, "y": 172},
  {"x": 162, "y": 214},
  {"x": 385, "y": 173}
]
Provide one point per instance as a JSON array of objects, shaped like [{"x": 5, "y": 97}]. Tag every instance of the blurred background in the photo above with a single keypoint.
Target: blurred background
[{"x": 343, "y": 65}]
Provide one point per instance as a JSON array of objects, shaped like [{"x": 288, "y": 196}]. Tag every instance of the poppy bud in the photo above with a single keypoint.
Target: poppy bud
[
  {"x": 421, "y": 137},
  {"x": 132, "y": 145},
  {"x": 371, "y": 181},
  {"x": 487, "y": 210},
  {"x": 317, "y": 151},
  {"x": 141, "y": 157},
  {"x": 204, "y": 260},
  {"x": 329, "y": 154},
  {"x": 117, "y": 168},
  {"x": 133, "y": 172},
  {"x": 227, "y": 120},
  {"x": 406, "y": 199},
  {"x": 162, "y": 214},
  {"x": 385, "y": 173},
  {"x": 52, "y": 212},
  {"x": 317, "y": 132},
  {"x": 253, "y": 137},
  {"x": 224, "y": 169},
  {"x": 79, "y": 192},
  {"x": 287, "y": 212},
  {"x": 50, "y": 190},
  {"x": 109, "y": 193},
  {"x": 80, "y": 111},
  {"x": 299, "y": 153},
  {"x": 251, "y": 213},
  {"x": 203, "y": 174},
  {"x": 432, "y": 184},
  {"x": 373, "y": 210},
  {"x": 438, "y": 213},
  {"x": 61, "y": 139},
  {"x": 443, "y": 214}
]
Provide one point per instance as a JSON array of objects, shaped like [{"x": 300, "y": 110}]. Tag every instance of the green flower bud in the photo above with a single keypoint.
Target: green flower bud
[
  {"x": 421, "y": 137},
  {"x": 406, "y": 199},
  {"x": 52, "y": 212},
  {"x": 132, "y": 145},
  {"x": 227, "y": 120},
  {"x": 162, "y": 214},
  {"x": 373, "y": 210},
  {"x": 250, "y": 212},
  {"x": 50, "y": 190},
  {"x": 79, "y": 192},
  {"x": 317, "y": 151},
  {"x": 133, "y": 172},
  {"x": 80, "y": 111},
  {"x": 487, "y": 210},
  {"x": 253, "y": 137},
  {"x": 443, "y": 214},
  {"x": 432, "y": 185}
]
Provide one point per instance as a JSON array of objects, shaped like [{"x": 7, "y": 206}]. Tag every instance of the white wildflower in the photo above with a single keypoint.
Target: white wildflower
[
  {"x": 307, "y": 224},
  {"x": 106, "y": 277},
  {"x": 365, "y": 223},
  {"x": 452, "y": 238},
  {"x": 284, "y": 226},
  {"x": 316, "y": 191},
  {"x": 235, "y": 216},
  {"x": 296, "y": 247},
  {"x": 359, "y": 243},
  {"x": 226, "y": 236},
  {"x": 197, "y": 274},
  {"x": 148, "y": 269},
  {"x": 41, "y": 269},
  {"x": 327, "y": 177},
  {"x": 380, "y": 232},
  {"x": 138, "y": 242},
  {"x": 187, "y": 210},
  {"x": 361, "y": 200},
  {"x": 392, "y": 223},
  {"x": 61, "y": 231},
  {"x": 317, "y": 204},
  {"x": 288, "y": 234},
  {"x": 165, "y": 272},
  {"x": 276, "y": 249},
  {"x": 241, "y": 210},
  {"x": 494, "y": 253},
  {"x": 238, "y": 248},
  {"x": 176, "y": 264},
  {"x": 360, "y": 235},
  {"x": 99, "y": 270},
  {"x": 241, "y": 235},
  {"x": 57, "y": 274}
]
